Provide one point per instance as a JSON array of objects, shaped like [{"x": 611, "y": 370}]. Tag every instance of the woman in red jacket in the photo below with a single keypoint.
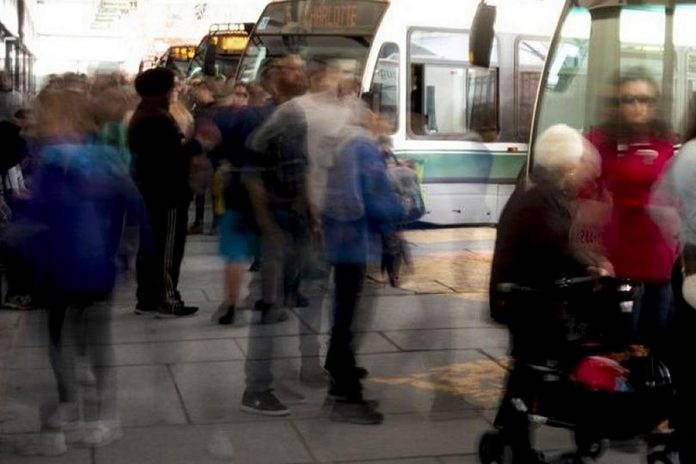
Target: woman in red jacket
[{"x": 635, "y": 146}]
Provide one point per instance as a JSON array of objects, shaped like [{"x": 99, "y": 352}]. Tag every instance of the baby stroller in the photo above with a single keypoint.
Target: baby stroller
[{"x": 587, "y": 376}]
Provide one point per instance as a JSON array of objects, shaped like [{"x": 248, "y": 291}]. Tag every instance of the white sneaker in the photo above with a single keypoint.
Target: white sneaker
[
  {"x": 44, "y": 444},
  {"x": 66, "y": 418},
  {"x": 102, "y": 432}
]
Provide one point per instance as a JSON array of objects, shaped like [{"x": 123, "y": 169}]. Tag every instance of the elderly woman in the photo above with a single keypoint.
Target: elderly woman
[{"x": 533, "y": 248}]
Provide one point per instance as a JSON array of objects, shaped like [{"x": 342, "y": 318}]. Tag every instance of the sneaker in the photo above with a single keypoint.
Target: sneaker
[
  {"x": 270, "y": 314},
  {"x": 224, "y": 314},
  {"x": 313, "y": 375},
  {"x": 20, "y": 302},
  {"x": 175, "y": 312},
  {"x": 65, "y": 418},
  {"x": 145, "y": 308},
  {"x": 195, "y": 229},
  {"x": 102, "y": 432},
  {"x": 264, "y": 403},
  {"x": 44, "y": 444},
  {"x": 358, "y": 412}
]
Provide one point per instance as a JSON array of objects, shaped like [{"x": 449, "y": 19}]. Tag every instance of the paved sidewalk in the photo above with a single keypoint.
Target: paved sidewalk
[{"x": 436, "y": 365}]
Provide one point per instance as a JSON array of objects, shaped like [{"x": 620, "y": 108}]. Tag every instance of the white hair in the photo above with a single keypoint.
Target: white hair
[{"x": 559, "y": 147}]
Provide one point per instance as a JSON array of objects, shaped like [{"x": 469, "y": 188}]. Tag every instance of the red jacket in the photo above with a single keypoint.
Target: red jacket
[{"x": 635, "y": 245}]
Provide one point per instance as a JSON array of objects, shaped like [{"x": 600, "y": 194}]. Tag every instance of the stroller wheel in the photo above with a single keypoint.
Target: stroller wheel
[{"x": 493, "y": 449}]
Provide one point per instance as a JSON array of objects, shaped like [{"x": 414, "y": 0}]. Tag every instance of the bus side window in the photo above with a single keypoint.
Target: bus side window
[
  {"x": 384, "y": 90},
  {"x": 416, "y": 100},
  {"x": 448, "y": 98}
]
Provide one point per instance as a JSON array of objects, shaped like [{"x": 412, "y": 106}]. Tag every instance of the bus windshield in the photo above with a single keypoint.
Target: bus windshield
[
  {"x": 337, "y": 30},
  {"x": 227, "y": 41},
  {"x": 599, "y": 43}
]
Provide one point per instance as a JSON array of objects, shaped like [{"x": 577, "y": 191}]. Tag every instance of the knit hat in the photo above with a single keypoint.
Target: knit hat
[{"x": 156, "y": 82}]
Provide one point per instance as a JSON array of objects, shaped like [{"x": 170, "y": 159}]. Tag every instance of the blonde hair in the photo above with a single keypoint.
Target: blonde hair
[
  {"x": 64, "y": 112},
  {"x": 183, "y": 118}
]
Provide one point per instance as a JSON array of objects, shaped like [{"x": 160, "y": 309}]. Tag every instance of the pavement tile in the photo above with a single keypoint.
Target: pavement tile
[
  {"x": 257, "y": 443},
  {"x": 438, "y": 381},
  {"x": 212, "y": 392},
  {"x": 288, "y": 346},
  {"x": 400, "y": 461},
  {"x": 147, "y": 396},
  {"x": 73, "y": 456},
  {"x": 400, "y": 436},
  {"x": 449, "y": 339},
  {"x": 392, "y": 313}
]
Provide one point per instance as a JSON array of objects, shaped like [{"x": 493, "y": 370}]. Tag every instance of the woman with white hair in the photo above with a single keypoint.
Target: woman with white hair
[{"x": 533, "y": 249}]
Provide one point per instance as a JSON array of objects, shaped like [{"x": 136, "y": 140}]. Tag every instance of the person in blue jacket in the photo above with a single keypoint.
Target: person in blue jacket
[{"x": 361, "y": 205}]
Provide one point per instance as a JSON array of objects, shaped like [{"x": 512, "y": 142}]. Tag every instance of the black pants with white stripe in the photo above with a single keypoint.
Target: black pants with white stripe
[{"x": 160, "y": 254}]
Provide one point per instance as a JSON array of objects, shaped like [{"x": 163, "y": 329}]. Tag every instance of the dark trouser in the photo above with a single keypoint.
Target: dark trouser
[
  {"x": 19, "y": 275},
  {"x": 86, "y": 323},
  {"x": 681, "y": 363},
  {"x": 158, "y": 266},
  {"x": 340, "y": 359},
  {"x": 653, "y": 314},
  {"x": 282, "y": 263},
  {"x": 200, "y": 209}
]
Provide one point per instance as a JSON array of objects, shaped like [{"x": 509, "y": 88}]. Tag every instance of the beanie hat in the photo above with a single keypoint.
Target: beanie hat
[{"x": 156, "y": 82}]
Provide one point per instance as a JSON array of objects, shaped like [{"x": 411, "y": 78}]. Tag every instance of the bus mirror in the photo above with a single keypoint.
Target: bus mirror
[
  {"x": 209, "y": 60},
  {"x": 481, "y": 35}
]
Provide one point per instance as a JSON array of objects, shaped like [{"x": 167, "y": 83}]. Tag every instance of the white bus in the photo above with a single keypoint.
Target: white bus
[{"x": 466, "y": 127}]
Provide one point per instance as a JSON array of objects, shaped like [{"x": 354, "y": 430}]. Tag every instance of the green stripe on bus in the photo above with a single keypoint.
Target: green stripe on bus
[{"x": 493, "y": 166}]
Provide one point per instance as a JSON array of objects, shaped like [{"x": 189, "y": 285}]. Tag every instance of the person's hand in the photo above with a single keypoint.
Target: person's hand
[{"x": 602, "y": 268}]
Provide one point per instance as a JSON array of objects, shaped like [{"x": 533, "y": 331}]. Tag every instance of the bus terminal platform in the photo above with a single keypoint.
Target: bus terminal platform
[{"x": 436, "y": 364}]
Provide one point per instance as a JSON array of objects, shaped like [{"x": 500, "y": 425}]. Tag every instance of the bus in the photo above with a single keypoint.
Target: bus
[
  {"x": 148, "y": 62},
  {"x": 597, "y": 40},
  {"x": 219, "y": 52},
  {"x": 177, "y": 58},
  {"x": 466, "y": 128}
]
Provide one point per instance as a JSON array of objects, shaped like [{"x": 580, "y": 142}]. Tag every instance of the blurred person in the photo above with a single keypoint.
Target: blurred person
[
  {"x": 15, "y": 194},
  {"x": 204, "y": 109},
  {"x": 161, "y": 168},
  {"x": 678, "y": 185},
  {"x": 273, "y": 176},
  {"x": 360, "y": 204},
  {"x": 533, "y": 249},
  {"x": 80, "y": 193},
  {"x": 635, "y": 145}
]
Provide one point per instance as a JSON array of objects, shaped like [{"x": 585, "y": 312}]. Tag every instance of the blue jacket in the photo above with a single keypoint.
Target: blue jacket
[
  {"x": 80, "y": 194},
  {"x": 361, "y": 204}
]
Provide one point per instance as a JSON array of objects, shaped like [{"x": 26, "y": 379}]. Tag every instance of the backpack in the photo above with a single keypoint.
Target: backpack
[{"x": 408, "y": 189}]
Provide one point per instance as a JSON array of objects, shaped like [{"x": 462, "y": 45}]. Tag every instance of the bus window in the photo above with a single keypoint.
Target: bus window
[
  {"x": 448, "y": 99},
  {"x": 384, "y": 91},
  {"x": 529, "y": 59},
  {"x": 565, "y": 86}
]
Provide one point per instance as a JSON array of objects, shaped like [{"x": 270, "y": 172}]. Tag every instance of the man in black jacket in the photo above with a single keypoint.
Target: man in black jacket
[{"x": 161, "y": 164}]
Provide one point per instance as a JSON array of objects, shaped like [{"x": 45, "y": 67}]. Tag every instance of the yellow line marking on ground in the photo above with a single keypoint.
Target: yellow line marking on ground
[{"x": 480, "y": 383}]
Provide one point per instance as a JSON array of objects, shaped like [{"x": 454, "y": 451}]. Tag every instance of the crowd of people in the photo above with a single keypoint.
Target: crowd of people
[
  {"x": 301, "y": 181},
  {"x": 102, "y": 170}
]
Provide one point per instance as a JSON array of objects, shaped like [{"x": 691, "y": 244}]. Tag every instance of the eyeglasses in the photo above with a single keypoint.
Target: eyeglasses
[{"x": 642, "y": 99}]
